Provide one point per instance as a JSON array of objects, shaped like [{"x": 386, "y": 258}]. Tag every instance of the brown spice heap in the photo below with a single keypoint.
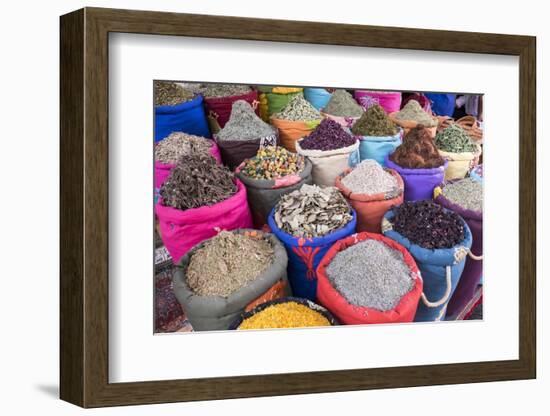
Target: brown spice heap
[
  {"x": 418, "y": 150},
  {"x": 374, "y": 122},
  {"x": 228, "y": 262},
  {"x": 197, "y": 180},
  {"x": 170, "y": 93}
]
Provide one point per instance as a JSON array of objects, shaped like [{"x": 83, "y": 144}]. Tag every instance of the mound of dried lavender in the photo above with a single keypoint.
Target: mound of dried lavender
[
  {"x": 298, "y": 108},
  {"x": 170, "y": 93},
  {"x": 328, "y": 135},
  {"x": 244, "y": 124},
  {"x": 178, "y": 144},
  {"x": 374, "y": 122},
  {"x": 228, "y": 262},
  {"x": 418, "y": 150},
  {"x": 312, "y": 211},
  {"x": 197, "y": 180},
  {"x": 428, "y": 225},
  {"x": 370, "y": 274},
  {"x": 466, "y": 193},
  {"x": 342, "y": 104},
  {"x": 369, "y": 178},
  {"x": 225, "y": 90},
  {"x": 454, "y": 139},
  {"x": 413, "y": 112}
]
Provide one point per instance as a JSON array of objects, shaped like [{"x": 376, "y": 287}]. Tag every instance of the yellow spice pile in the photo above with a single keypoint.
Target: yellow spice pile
[{"x": 285, "y": 315}]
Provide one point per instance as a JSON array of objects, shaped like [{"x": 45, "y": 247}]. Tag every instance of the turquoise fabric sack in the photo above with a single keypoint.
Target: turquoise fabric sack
[{"x": 377, "y": 148}]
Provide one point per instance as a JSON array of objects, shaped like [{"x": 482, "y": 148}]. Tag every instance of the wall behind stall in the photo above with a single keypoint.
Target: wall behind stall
[{"x": 29, "y": 220}]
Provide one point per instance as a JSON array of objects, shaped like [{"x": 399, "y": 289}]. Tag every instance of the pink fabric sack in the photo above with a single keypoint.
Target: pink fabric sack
[
  {"x": 389, "y": 101},
  {"x": 162, "y": 170},
  {"x": 181, "y": 230}
]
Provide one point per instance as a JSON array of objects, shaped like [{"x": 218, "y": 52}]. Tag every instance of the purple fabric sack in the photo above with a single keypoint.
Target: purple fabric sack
[
  {"x": 473, "y": 269},
  {"x": 419, "y": 183}
]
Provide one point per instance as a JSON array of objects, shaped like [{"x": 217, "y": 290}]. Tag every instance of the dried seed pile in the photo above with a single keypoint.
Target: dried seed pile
[
  {"x": 178, "y": 144},
  {"x": 170, "y": 93},
  {"x": 297, "y": 109},
  {"x": 374, "y": 122},
  {"x": 342, "y": 104},
  {"x": 369, "y": 178},
  {"x": 228, "y": 262},
  {"x": 454, "y": 139},
  {"x": 466, "y": 193},
  {"x": 413, "y": 112},
  {"x": 328, "y": 135},
  {"x": 244, "y": 124},
  {"x": 197, "y": 180},
  {"x": 370, "y": 274},
  {"x": 285, "y": 315},
  {"x": 225, "y": 90},
  {"x": 312, "y": 211},
  {"x": 428, "y": 225},
  {"x": 418, "y": 150},
  {"x": 273, "y": 162}
]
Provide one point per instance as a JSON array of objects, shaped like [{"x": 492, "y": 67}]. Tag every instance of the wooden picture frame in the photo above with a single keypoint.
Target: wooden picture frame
[{"x": 84, "y": 207}]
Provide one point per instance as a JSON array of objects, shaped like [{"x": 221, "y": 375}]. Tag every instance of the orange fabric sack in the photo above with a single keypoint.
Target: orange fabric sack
[
  {"x": 279, "y": 290},
  {"x": 291, "y": 131},
  {"x": 370, "y": 209}
]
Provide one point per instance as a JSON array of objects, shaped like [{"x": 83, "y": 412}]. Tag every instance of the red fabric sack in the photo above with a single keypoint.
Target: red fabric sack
[
  {"x": 350, "y": 314},
  {"x": 218, "y": 109}
]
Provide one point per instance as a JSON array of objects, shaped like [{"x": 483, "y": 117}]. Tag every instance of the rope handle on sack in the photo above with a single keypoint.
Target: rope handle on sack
[
  {"x": 446, "y": 295},
  {"x": 473, "y": 256}
]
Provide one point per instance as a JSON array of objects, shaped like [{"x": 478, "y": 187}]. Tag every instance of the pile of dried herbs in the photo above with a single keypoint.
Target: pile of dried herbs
[
  {"x": 170, "y": 93},
  {"x": 374, "y": 122},
  {"x": 285, "y": 315},
  {"x": 328, "y": 135},
  {"x": 428, "y": 225},
  {"x": 244, "y": 124},
  {"x": 228, "y": 262},
  {"x": 178, "y": 144},
  {"x": 417, "y": 151},
  {"x": 369, "y": 178},
  {"x": 370, "y": 274},
  {"x": 312, "y": 211},
  {"x": 273, "y": 162},
  {"x": 454, "y": 139},
  {"x": 224, "y": 90},
  {"x": 197, "y": 180},
  {"x": 342, "y": 104},
  {"x": 466, "y": 193},
  {"x": 298, "y": 109},
  {"x": 413, "y": 112}
]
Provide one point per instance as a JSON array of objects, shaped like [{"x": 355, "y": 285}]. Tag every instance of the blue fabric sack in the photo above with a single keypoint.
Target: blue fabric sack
[
  {"x": 317, "y": 97},
  {"x": 305, "y": 254},
  {"x": 377, "y": 148},
  {"x": 442, "y": 104},
  {"x": 434, "y": 265},
  {"x": 188, "y": 117}
]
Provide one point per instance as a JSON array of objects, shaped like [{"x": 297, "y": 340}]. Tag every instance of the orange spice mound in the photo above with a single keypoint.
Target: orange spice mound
[{"x": 418, "y": 150}]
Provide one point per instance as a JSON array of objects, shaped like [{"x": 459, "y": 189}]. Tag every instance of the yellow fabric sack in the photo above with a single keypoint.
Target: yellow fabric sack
[{"x": 460, "y": 163}]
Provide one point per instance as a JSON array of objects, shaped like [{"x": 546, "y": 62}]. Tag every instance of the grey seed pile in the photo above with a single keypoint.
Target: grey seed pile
[
  {"x": 225, "y": 90},
  {"x": 370, "y": 274},
  {"x": 298, "y": 108},
  {"x": 413, "y": 112},
  {"x": 312, "y": 211},
  {"x": 342, "y": 104},
  {"x": 244, "y": 124},
  {"x": 178, "y": 144},
  {"x": 170, "y": 93},
  {"x": 466, "y": 193},
  {"x": 369, "y": 178},
  {"x": 227, "y": 263}
]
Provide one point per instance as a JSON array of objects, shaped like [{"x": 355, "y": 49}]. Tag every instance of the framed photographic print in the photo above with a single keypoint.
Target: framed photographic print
[{"x": 254, "y": 207}]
